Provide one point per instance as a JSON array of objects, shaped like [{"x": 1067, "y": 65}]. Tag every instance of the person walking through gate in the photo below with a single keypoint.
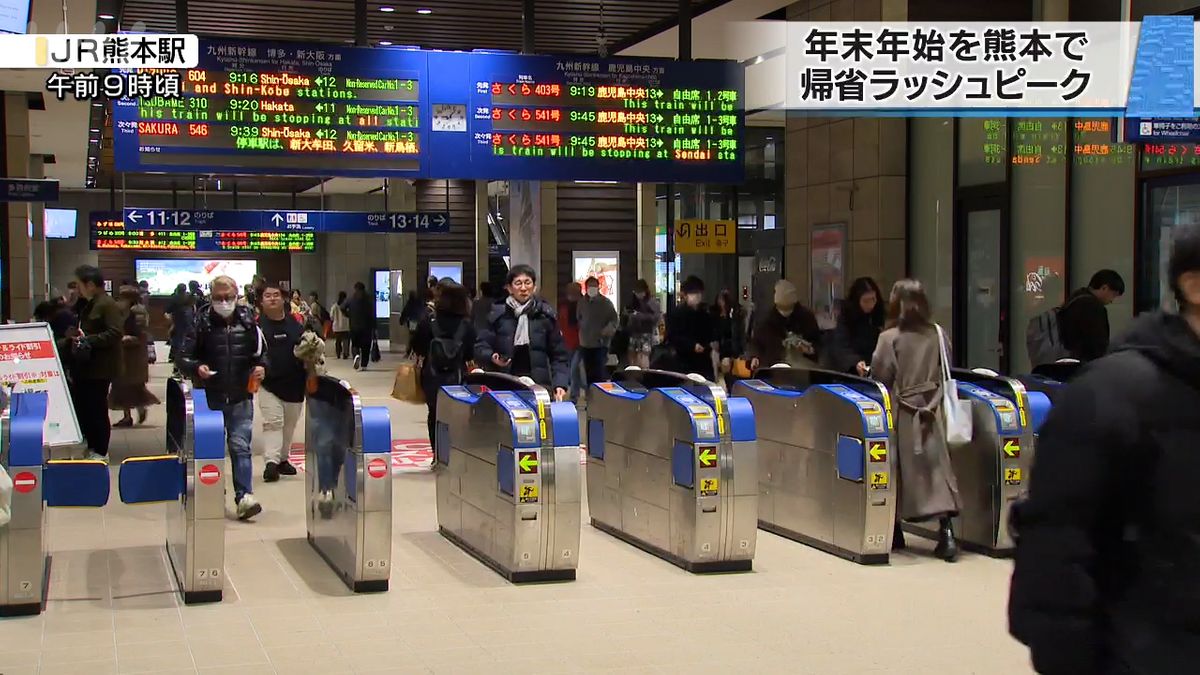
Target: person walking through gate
[
  {"x": 225, "y": 357},
  {"x": 692, "y": 331},
  {"x": 444, "y": 341},
  {"x": 341, "y": 327},
  {"x": 281, "y": 399},
  {"x": 521, "y": 337},
  {"x": 95, "y": 358},
  {"x": 129, "y": 387},
  {"x": 360, "y": 308},
  {"x": 908, "y": 361}
]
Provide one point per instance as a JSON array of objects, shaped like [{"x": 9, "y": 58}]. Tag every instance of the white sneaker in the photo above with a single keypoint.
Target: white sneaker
[
  {"x": 357, "y": 362},
  {"x": 96, "y": 457},
  {"x": 248, "y": 507}
]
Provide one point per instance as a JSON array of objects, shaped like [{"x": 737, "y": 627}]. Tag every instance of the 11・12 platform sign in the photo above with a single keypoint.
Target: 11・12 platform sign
[{"x": 286, "y": 109}]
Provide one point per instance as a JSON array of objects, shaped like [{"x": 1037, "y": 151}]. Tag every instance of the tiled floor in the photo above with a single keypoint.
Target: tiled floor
[{"x": 112, "y": 607}]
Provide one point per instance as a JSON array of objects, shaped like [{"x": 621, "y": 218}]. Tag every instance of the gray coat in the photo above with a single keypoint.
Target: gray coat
[
  {"x": 597, "y": 321},
  {"x": 909, "y": 363}
]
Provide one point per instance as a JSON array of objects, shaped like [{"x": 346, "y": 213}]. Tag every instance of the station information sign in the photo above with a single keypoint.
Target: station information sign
[
  {"x": 287, "y": 109},
  {"x": 108, "y": 232}
]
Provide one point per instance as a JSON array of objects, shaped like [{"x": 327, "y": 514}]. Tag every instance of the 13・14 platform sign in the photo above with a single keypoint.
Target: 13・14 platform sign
[{"x": 284, "y": 109}]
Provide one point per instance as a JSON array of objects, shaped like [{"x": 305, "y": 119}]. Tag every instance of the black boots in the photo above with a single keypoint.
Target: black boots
[
  {"x": 898, "y": 543},
  {"x": 947, "y": 546}
]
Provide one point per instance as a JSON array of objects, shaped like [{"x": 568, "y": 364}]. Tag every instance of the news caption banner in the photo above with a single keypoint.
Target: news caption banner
[
  {"x": 1019, "y": 69},
  {"x": 288, "y": 109}
]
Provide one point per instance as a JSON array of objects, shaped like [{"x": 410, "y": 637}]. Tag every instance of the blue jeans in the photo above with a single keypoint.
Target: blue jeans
[
  {"x": 577, "y": 381},
  {"x": 239, "y": 428},
  {"x": 328, "y": 432}
]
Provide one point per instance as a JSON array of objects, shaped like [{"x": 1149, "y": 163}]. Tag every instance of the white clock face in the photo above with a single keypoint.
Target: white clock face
[{"x": 449, "y": 117}]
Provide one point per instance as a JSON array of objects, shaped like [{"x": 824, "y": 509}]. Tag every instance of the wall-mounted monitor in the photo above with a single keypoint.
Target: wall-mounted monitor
[
  {"x": 14, "y": 16},
  {"x": 605, "y": 266},
  {"x": 165, "y": 274},
  {"x": 60, "y": 223},
  {"x": 441, "y": 270},
  {"x": 383, "y": 293}
]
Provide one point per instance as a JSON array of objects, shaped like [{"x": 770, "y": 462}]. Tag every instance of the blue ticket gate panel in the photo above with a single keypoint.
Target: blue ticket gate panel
[
  {"x": 993, "y": 469},
  {"x": 348, "y": 484},
  {"x": 508, "y": 476},
  {"x": 827, "y": 463},
  {"x": 37, "y": 484},
  {"x": 190, "y": 481},
  {"x": 1051, "y": 378},
  {"x": 672, "y": 468}
]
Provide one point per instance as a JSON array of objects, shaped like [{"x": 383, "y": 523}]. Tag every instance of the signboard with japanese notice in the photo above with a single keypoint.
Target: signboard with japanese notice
[
  {"x": 705, "y": 236},
  {"x": 29, "y": 362}
]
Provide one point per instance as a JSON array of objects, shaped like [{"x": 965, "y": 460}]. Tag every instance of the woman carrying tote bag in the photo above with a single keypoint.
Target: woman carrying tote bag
[{"x": 912, "y": 361}]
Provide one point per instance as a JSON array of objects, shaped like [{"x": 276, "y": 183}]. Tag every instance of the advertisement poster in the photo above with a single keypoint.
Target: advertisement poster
[
  {"x": 605, "y": 266},
  {"x": 828, "y": 249},
  {"x": 164, "y": 275},
  {"x": 28, "y": 363},
  {"x": 442, "y": 270},
  {"x": 1044, "y": 283}
]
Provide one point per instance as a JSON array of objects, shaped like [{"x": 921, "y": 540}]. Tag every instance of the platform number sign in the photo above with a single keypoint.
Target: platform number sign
[
  {"x": 529, "y": 494},
  {"x": 1012, "y": 476}
]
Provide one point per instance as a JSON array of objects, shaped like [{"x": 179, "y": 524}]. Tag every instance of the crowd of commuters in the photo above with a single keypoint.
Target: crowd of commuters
[{"x": 239, "y": 344}]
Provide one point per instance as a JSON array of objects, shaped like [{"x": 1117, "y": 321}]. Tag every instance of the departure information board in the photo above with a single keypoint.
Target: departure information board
[
  {"x": 286, "y": 109},
  {"x": 108, "y": 232}
]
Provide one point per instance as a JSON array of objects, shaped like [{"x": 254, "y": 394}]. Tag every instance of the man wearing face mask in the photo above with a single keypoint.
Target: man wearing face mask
[
  {"x": 691, "y": 331},
  {"x": 787, "y": 327},
  {"x": 225, "y": 357},
  {"x": 597, "y": 325}
]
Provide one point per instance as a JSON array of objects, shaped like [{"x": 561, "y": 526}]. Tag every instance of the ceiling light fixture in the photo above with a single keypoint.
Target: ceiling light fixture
[
  {"x": 106, "y": 16},
  {"x": 94, "y": 131},
  {"x": 424, "y": 10},
  {"x": 385, "y": 43},
  {"x": 387, "y": 10}
]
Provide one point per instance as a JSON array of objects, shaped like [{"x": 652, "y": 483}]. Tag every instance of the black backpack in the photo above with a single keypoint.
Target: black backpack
[{"x": 445, "y": 353}]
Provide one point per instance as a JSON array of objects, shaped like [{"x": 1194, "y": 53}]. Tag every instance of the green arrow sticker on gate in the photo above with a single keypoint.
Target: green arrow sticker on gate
[
  {"x": 878, "y": 451},
  {"x": 708, "y": 457},
  {"x": 527, "y": 462},
  {"x": 1012, "y": 447}
]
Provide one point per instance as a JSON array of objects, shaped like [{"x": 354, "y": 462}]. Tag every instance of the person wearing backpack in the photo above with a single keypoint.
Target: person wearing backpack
[
  {"x": 1105, "y": 576},
  {"x": 443, "y": 342}
]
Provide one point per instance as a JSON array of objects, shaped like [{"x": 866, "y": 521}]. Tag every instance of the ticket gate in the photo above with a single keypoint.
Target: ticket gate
[
  {"x": 37, "y": 484},
  {"x": 1051, "y": 378},
  {"x": 190, "y": 480},
  {"x": 672, "y": 468},
  {"x": 993, "y": 470},
  {"x": 348, "y": 484},
  {"x": 508, "y": 484},
  {"x": 826, "y": 460}
]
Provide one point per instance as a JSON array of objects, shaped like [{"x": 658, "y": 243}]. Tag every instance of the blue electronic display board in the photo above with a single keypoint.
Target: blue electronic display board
[{"x": 287, "y": 109}]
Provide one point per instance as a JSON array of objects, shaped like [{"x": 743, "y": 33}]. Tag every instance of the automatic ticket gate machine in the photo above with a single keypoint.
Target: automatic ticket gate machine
[
  {"x": 190, "y": 480},
  {"x": 508, "y": 483},
  {"x": 348, "y": 484},
  {"x": 37, "y": 484},
  {"x": 1050, "y": 378},
  {"x": 826, "y": 460},
  {"x": 672, "y": 468},
  {"x": 993, "y": 470}
]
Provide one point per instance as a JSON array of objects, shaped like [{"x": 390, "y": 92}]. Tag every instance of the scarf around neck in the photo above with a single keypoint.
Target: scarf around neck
[{"x": 521, "y": 337}]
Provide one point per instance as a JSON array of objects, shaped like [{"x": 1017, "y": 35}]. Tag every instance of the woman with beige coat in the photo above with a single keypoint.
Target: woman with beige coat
[{"x": 908, "y": 362}]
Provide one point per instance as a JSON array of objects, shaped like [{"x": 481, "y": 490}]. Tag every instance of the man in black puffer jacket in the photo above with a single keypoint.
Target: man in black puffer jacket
[
  {"x": 522, "y": 338},
  {"x": 1107, "y": 575},
  {"x": 225, "y": 356}
]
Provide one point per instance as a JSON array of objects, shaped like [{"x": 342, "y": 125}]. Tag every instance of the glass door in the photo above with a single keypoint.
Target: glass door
[
  {"x": 981, "y": 288},
  {"x": 1166, "y": 203}
]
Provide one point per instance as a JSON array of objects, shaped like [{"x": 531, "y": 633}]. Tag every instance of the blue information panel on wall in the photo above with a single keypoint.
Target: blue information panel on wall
[{"x": 286, "y": 109}]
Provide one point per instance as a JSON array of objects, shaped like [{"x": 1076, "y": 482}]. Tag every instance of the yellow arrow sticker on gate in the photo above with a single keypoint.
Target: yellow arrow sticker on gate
[
  {"x": 720, "y": 417},
  {"x": 541, "y": 409},
  {"x": 708, "y": 457}
]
